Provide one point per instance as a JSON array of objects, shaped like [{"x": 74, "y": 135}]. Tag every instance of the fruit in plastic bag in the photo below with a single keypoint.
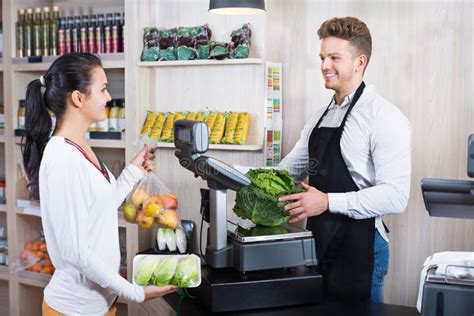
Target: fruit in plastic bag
[
  {"x": 139, "y": 196},
  {"x": 169, "y": 201},
  {"x": 153, "y": 206},
  {"x": 130, "y": 212},
  {"x": 144, "y": 221},
  {"x": 169, "y": 219}
]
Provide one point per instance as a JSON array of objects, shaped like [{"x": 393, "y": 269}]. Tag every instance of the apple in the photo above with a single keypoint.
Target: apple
[{"x": 169, "y": 201}]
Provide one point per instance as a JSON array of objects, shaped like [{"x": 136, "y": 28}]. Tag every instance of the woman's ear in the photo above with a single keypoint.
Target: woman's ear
[{"x": 77, "y": 99}]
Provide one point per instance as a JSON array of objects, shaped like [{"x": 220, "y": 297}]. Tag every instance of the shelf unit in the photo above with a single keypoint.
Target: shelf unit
[{"x": 206, "y": 62}]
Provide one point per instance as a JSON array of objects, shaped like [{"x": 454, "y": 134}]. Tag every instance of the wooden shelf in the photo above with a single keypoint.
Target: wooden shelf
[
  {"x": 109, "y": 61},
  {"x": 2, "y": 137},
  {"x": 203, "y": 62},
  {"x": 3, "y": 207},
  {"x": 97, "y": 143},
  {"x": 33, "y": 278},
  {"x": 220, "y": 147},
  {"x": 4, "y": 273}
]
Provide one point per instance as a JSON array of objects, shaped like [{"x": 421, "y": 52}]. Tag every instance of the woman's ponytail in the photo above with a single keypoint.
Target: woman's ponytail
[{"x": 38, "y": 129}]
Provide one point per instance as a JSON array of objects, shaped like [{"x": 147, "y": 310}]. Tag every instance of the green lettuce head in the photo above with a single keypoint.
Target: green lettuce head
[
  {"x": 187, "y": 272},
  {"x": 145, "y": 270},
  {"x": 259, "y": 203},
  {"x": 164, "y": 271}
]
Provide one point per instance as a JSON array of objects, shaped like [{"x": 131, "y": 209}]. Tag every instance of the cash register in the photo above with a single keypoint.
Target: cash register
[{"x": 244, "y": 271}]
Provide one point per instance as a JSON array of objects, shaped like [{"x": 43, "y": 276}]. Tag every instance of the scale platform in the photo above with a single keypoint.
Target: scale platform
[{"x": 263, "y": 248}]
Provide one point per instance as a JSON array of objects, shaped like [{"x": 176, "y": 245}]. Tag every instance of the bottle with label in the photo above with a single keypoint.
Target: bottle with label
[
  {"x": 45, "y": 31},
  {"x": 103, "y": 126},
  {"x": 37, "y": 33},
  {"x": 123, "y": 31},
  {"x": 62, "y": 36},
  {"x": 108, "y": 33},
  {"x": 84, "y": 30},
  {"x": 116, "y": 33},
  {"x": 53, "y": 32},
  {"x": 28, "y": 41},
  {"x": 76, "y": 35},
  {"x": 91, "y": 34},
  {"x": 114, "y": 116},
  {"x": 121, "y": 119},
  {"x": 21, "y": 114},
  {"x": 99, "y": 35},
  {"x": 20, "y": 29},
  {"x": 68, "y": 34}
]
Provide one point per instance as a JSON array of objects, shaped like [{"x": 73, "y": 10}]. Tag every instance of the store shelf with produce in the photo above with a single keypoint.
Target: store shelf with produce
[
  {"x": 247, "y": 147},
  {"x": 203, "y": 62},
  {"x": 4, "y": 273},
  {"x": 109, "y": 61}
]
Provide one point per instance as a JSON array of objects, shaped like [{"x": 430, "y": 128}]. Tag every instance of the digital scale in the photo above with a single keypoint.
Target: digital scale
[{"x": 265, "y": 268}]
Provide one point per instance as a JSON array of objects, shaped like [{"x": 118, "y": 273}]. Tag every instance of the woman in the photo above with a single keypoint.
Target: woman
[{"x": 79, "y": 196}]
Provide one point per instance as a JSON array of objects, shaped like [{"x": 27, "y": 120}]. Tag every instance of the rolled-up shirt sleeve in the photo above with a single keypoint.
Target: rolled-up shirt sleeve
[{"x": 390, "y": 143}]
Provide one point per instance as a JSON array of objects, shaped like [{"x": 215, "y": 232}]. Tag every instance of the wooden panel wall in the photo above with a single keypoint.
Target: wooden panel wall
[{"x": 422, "y": 61}]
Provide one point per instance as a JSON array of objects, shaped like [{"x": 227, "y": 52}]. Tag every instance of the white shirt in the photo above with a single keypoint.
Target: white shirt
[
  {"x": 79, "y": 215},
  {"x": 376, "y": 148}
]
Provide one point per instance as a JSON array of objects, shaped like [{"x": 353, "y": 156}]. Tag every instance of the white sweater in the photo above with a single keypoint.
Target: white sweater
[{"x": 79, "y": 215}]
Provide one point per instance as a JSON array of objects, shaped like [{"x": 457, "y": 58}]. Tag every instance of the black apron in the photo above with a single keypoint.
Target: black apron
[{"x": 344, "y": 246}]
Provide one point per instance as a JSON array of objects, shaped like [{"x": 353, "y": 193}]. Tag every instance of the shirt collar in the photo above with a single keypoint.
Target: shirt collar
[{"x": 346, "y": 102}]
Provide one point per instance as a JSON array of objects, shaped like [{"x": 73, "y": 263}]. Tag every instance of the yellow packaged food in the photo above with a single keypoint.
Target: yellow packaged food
[
  {"x": 177, "y": 116},
  {"x": 168, "y": 128},
  {"x": 211, "y": 118},
  {"x": 230, "y": 126},
  {"x": 242, "y": 129},
  {"x": 191, "y": 116},
  {"x": 149, "y": 121},
  {"x": 157, "y": 128},
  {"x": 217, "y": 129},
  {"x": 200, "y": 116}
]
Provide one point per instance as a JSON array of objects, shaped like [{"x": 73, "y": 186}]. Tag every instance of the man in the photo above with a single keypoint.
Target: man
[{"x": 356, "y": 153}]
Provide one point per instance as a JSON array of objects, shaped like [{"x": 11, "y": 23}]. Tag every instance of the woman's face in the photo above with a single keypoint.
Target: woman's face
[{"x": 98, "y": 97}]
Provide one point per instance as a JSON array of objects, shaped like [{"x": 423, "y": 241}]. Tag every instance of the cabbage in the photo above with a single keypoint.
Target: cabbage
[
  {"x": 145, "y": 269},
  {"x": 187, "y": 272},
  {"x": 160, "y": 239},
  {"x": 259, "y": 203},
  {"x": 181, "y": 240},
  {"x": 165, "y": 271},
  {"x": 170, "y": 239}
]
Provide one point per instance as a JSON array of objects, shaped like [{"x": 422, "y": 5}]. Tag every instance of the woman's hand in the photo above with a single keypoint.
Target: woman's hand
[
  {"x": 152, "y": 291},
  {"x": 145, "y": 159}
]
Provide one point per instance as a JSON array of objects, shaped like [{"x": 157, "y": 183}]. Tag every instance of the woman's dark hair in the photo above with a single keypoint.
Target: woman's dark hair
[{"x": 67, "y": 73}]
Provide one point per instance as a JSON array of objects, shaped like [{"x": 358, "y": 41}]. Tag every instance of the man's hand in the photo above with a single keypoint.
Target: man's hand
[
  {"x": 310, "y": 203},
  {"x": 152, "y": 291}
]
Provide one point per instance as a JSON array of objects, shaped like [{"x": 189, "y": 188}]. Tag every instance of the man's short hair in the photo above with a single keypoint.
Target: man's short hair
[{"x": 351, "y": 29}]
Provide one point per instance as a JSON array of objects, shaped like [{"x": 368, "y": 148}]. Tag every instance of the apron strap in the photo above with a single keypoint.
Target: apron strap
[{"x": 356, "y": 97}]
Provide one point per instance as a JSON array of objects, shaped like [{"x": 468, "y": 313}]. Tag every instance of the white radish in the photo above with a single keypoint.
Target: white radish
[
  {"x": 160, "y": 239},
  {"x": 180, "y": 240},
  {"x": 170, "y": 239}
]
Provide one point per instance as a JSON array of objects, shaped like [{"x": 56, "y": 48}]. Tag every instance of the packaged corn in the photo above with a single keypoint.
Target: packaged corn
[
  {"x": 200, "y": 116},
  {"x": 242, "y": 129},
  {"x": 231, "y": 124},
  {"x": 158, "y": 126},
  {"x": 149, "y": 121},
  {"x": 211, "y": 118},
  {"x": 217, "y": 129},
  {"x": 177, "y": 116},
  {"x": 168, "y": 128},
  {"x": 191, "y": 116}
]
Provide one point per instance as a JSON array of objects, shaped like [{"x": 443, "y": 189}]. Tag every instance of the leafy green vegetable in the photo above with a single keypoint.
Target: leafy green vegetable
[
  {"x": 164, "y": 271},
  {"x": 145, "y": 269},
  {"x": 259, "y": 201},
  {"x": 187, "y": 272}
]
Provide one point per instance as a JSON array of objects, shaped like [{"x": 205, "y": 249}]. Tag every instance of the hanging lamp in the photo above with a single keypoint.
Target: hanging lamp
[{"x": 237, "y": 6}]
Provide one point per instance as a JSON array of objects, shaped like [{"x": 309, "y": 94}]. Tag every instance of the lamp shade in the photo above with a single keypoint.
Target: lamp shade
[{"x": 237, "y": 6}]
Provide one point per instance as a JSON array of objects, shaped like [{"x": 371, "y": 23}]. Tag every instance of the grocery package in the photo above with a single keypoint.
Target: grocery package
[
  {"x": 259, "y": 202},
  {"x": 240, "y": 42},
  {"x": 171, "y": 239},
  {"x": 151, "y": 202},
  {"x": 183, "y": 271},
  {"x": 224, "y": 127},
  {"x": 188, "y": 43},
  {"x": 34, "y": 257}
]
